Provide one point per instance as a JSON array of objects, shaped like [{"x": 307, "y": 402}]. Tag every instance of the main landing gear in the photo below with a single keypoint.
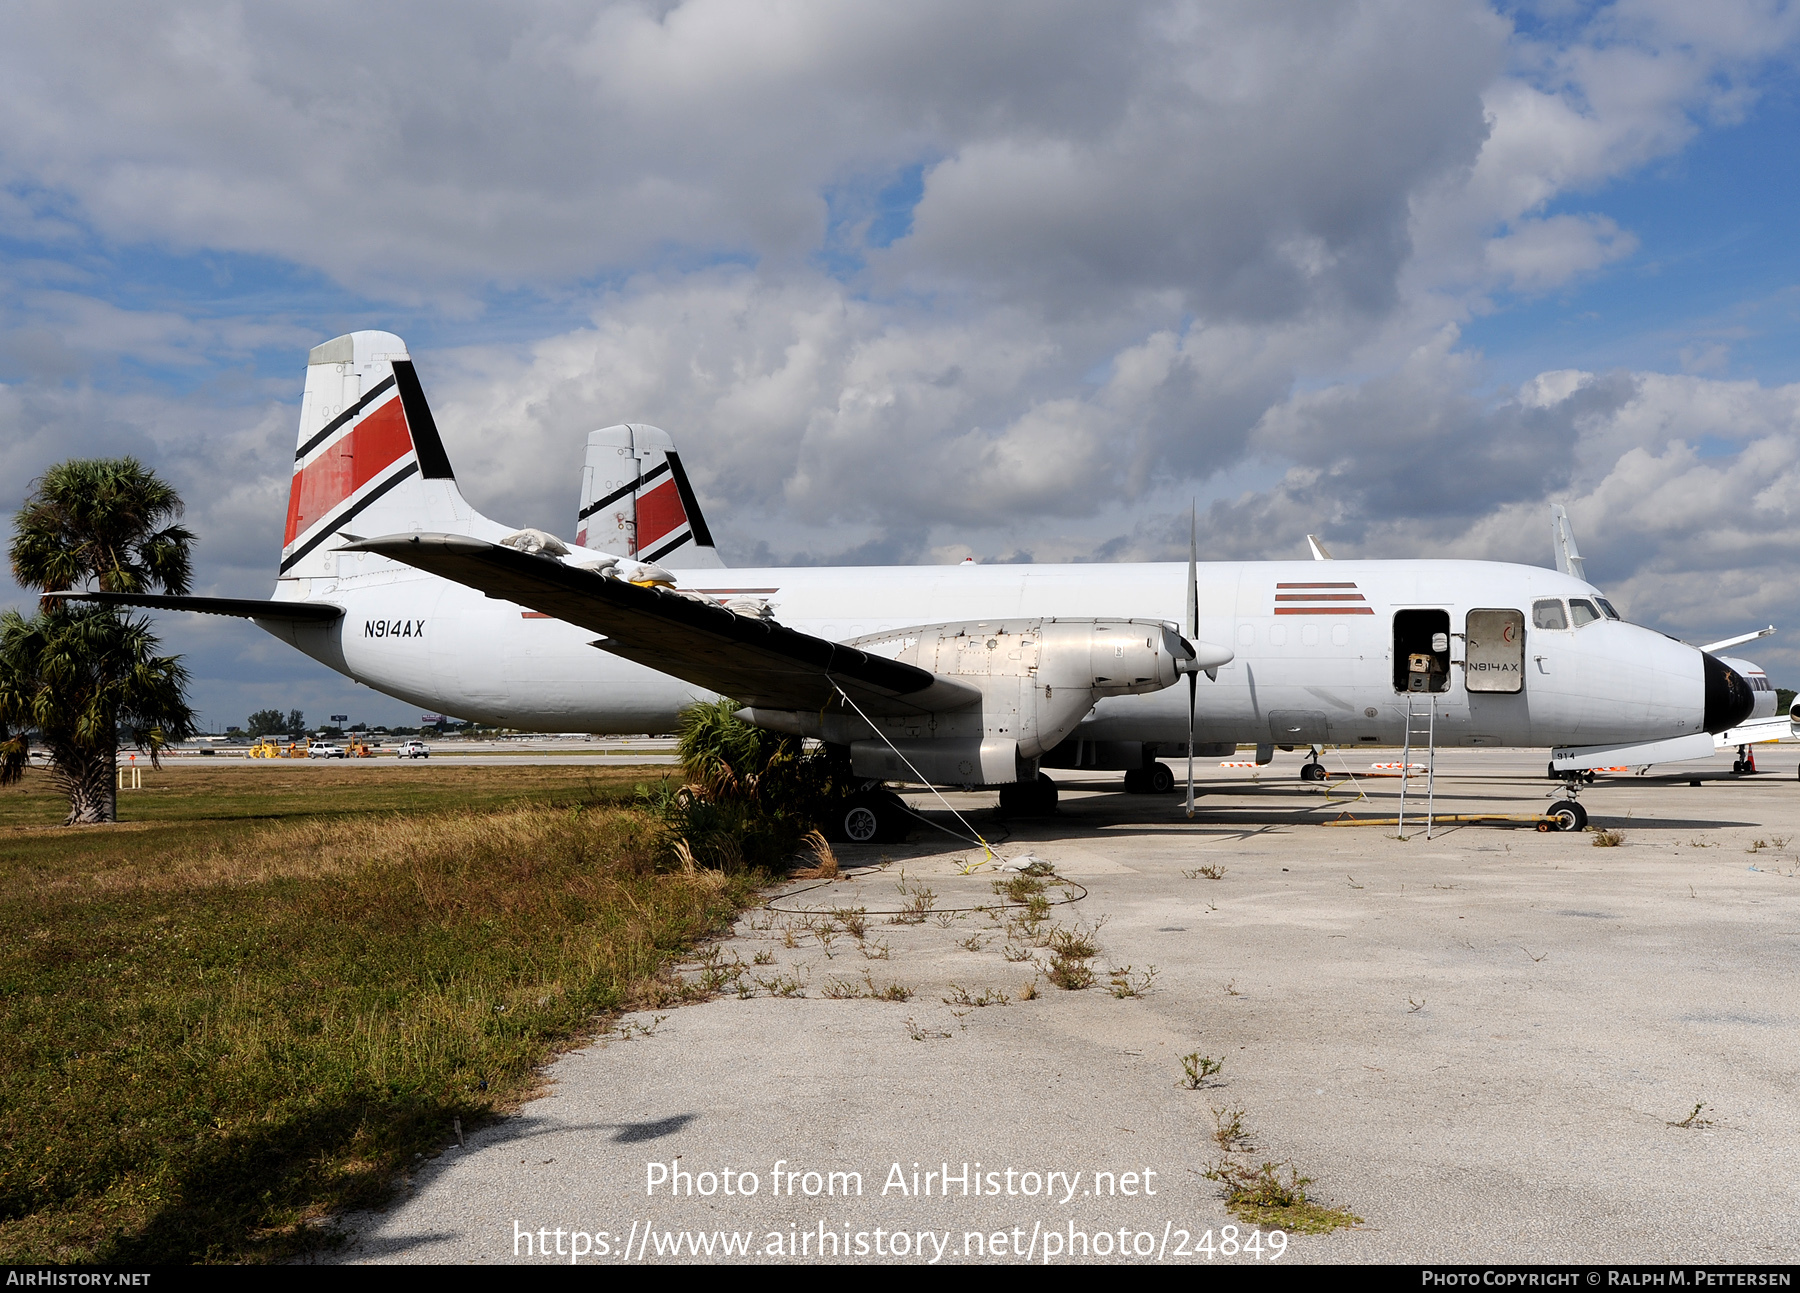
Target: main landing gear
[
  {"x": 871, "y": 817},
  {"x": 1573, "y": 778},
  {"x": 1156, "y": 779},
  {"x": 1564, "y": 815},
  {"x": 1312, "y": 769},
  {"x": 1745, "y": 762},
  {"x": 1029, "y": 798}
]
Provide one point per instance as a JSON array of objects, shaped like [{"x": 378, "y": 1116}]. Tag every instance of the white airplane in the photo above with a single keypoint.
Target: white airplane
[{"x": 961, "y": 675}]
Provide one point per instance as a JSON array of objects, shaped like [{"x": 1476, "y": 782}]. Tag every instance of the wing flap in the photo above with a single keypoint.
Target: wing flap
[{"x": 757, "y": 662}]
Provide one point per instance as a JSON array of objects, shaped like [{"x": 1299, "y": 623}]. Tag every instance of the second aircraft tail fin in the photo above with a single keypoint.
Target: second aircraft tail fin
[{"x": 636, "y": 500}]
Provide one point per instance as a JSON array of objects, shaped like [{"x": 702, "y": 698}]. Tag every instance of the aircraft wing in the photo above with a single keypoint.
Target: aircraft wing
[
  {"x": 249, "y": 608},
  {"x": 755, "y": 661}
]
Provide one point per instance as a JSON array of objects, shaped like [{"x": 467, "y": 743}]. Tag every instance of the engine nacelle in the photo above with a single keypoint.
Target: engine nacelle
[{"x": 1037, "y": 677}]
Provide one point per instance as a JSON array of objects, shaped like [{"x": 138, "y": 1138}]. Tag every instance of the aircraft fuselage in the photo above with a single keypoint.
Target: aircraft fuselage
[{"x": 1315, "y": 647}]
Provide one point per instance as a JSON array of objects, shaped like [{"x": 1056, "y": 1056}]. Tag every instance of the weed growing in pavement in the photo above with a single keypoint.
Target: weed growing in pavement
[
  {"x": 1130, "y": 982},
  {"x": 875, "y": 950},
  {"x": 1070, "y": 973},
  {"x": 631, "y": 1028},
  {"x": 1258, "y": 1196},
  {"x": 782, "y": 985},
  {"x": 1030, "y": 991},
  {"x": 764, "y": 957},
  {"x": 1608, "y": 839},
  {"x": 853, "y": 920},
  {"x": 1197, "y": 1070},
  {"x": 1414, "y": 1007},
  {"x": 1694, "y": 1119},
  {"x": 1074, "y": 941},
  {"x": 920, "y": 1033},
  {"x": 974, "y": 942},
  {"x": 960, "y": 996},
  {"x": 1757, "y": 846},
  {"x": 1228, "y": 1130},
  {"x": 918, "y": 905},
  {"x": 1213, "y": 872},
  {"x": 1013, "y": 952}
]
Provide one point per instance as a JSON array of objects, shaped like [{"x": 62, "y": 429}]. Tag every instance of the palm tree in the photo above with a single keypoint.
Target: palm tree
[
  {"x": 107, "y": 520},
  {"x": 77, "y": 679},
  {"x": 81, "y": 678}
]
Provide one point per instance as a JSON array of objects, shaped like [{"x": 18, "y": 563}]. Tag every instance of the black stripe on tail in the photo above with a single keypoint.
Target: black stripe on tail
[{"x": 434, "y": 463}]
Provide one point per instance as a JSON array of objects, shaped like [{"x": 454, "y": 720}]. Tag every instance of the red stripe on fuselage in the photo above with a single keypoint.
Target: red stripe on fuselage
[
  {"x": 658, "y": 514},
  {"x": 355, "y": 458}
]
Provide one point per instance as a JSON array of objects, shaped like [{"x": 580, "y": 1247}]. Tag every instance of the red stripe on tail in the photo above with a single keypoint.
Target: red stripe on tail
[
  {"x": 658, "y": 514},
  {"x": 352, "y": 461}
]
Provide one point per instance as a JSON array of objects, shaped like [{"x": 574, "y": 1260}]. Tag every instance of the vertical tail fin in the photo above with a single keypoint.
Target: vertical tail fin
[
  {"x": 1568, "y": 556},
  {"x": 368, "y": 453},
  {"x": 636, "y": 500}
]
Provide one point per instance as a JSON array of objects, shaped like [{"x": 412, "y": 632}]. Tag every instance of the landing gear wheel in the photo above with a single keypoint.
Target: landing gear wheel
[
  {"x": 1312, "y": 772},
  {"x": 1737, "y": 765},
  {"x": 1136, "y": 781},
  {"x": 1566, "y": 815},
  {"x": 1029, "y": 798},
  {"x": 860, "y": 820},
  {"x": 871, "y": 817},
  {"x": 1162, "y": 780}
]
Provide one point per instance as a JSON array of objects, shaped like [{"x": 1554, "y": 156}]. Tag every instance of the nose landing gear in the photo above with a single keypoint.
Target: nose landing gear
[
  {"x": 1312, "y": 769},
  {"x": 1745, "y": 762}
]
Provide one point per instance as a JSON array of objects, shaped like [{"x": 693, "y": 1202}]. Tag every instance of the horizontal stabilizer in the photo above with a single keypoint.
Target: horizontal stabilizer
[
  {"x": 249, "y": 608},
  {"x": 1777, "y": 728},
  {"x": 756, "y": 661},
  {"x": 1712, "y": 648},
  {"x": 1674, "y": 750}
]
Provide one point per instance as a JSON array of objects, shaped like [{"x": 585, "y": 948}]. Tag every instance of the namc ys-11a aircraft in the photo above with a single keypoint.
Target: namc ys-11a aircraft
[{"x": 966, "y": 675}]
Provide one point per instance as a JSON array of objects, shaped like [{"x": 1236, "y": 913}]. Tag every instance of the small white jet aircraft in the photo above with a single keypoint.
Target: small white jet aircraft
[
  {"x": 1763, "y": 724},
  {"x": 959, "y": 675}
]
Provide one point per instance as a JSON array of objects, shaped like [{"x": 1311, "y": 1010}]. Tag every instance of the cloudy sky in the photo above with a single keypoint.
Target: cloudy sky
[{"x": 911, "y": 282}]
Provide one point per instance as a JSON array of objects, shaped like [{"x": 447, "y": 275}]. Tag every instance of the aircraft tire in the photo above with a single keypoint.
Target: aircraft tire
[
  {"x": 896, "y": 821},
  {"x": 1030, "y": 798},
  {"x": 1161, "y": 779},
  {"x": 1135, "y": 781},
  {"x": 1566, "y": 815},
  {"x": 1312, "y": 772},
  {"x": 861, "y": 820}
]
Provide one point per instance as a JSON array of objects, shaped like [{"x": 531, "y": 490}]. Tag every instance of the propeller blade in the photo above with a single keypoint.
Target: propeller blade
[
  {"x": 1193, "y": 632},
  {"x": 1193, "y": 580},
  {"x": 1193, "y": 688}
]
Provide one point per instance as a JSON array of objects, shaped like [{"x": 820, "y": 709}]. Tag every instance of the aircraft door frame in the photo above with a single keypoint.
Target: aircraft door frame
[{"x": 1494, "y": 651}]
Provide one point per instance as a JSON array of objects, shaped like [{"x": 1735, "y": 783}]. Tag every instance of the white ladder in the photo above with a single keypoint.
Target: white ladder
[{"x": 1414, "y": 713}]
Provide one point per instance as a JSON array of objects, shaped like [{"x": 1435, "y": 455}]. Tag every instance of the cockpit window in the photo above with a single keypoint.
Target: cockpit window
[
  {"x": 1548, "y": 614},
  {"x": 1606, "y": 609},
  {"x": 1583, "y": 611}
]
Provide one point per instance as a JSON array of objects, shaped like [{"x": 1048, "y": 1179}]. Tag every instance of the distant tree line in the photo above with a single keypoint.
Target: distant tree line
[{"x": 272, "y": 722}]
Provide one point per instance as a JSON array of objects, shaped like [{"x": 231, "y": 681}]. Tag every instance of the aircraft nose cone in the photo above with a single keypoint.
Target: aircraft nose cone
[{"x": 1729, "y": 700}]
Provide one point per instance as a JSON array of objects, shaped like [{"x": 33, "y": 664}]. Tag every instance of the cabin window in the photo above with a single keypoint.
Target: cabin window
[
  {"x": 1422, "y": 650},
  {"x": 1548, "y": 614},
  {"x": 1583, "y": 612}
]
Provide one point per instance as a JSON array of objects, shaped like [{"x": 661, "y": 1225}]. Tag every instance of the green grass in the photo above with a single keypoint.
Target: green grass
[{"x": 252, "y": 1004}]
